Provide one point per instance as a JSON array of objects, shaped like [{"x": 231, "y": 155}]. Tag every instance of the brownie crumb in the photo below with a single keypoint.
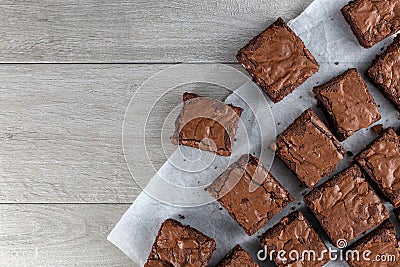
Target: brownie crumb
[
  {"x": 181, "y": 216},
  {"x": 350, "y": 154},
  {"x": 377, "y": 128},
  {"x": 336, "y": 63}
]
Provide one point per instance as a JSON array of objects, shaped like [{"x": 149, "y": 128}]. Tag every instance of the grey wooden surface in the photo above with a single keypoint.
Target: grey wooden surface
[{"x": 63, "y": 178}]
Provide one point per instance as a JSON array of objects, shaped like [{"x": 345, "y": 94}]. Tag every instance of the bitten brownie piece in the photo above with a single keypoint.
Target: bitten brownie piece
[
  {"x": 237, "y": 258},
  {"x": 381, "y": 242},
  {"x": 278, "y": 60},
  {"x": 347, "y": 103},
  {"x": 249, "y": 193},
  {"x": 179, "y": 245},
  {"x": 346, "y": 206},
  {"x": 385, "y": 72},
  {"x": 207, "y": 124},
  {"x": 294, "y": 232},
  {"x": 381, "y": 161},
  {"x": 372, "y": 20},
  {"x": 309, "y": 149}
]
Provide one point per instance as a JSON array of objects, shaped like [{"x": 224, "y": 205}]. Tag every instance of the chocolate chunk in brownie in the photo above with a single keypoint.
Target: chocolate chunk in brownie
[
  {"x": 385, "y": 72},
  {"x": 377, "y": 128},
  {"x": 309, "y": 149},
  {"x": 372, "y": 20},
  {"x": 237, "y": 258},
  {"x": 278, "y": 60},
  {"x": 381, "y": 161},
  {"x": 179, "y": 245},
  {"x": 249, "y": 193},
  {"x": 346, "y": 206},
  {"x": 294, "y": 233},
  {"x": 382, "y": 243},
  {"x": 207, "y": 124},
  {"x": 347, "y": 103}
]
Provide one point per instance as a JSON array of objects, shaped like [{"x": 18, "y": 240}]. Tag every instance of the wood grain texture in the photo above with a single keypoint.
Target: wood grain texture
[
  {"x": 61, "y": 131},
  {"x": 59, "y": 235},
  {"x": 134, "y": 31}
]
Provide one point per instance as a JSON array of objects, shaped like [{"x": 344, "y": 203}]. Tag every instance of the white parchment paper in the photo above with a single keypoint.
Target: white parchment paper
[{"x": 326, "y": 34}]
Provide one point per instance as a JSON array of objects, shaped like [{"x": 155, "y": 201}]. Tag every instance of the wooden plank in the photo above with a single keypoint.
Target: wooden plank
[
  {"x": 134, "y": 31},
  {"x": 61, "y": 131},
  {"x": 59, "y": 235}
]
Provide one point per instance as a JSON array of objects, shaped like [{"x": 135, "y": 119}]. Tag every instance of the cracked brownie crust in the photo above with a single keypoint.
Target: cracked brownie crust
[
  {"x": 385, "y": 72},
  {"x": 237, "y": 258},
  {"x": 207, "y": 124},
  {"x": 309, "y": 149},
  {"x": 249, "y": 193},
  {"x": 346, "y": 206},
  {"x": 381, "y": 161},
  {"x": 294, "y": 232},
  {"x": 347, "y": 103},
  {"x": 179, "y": 245},
  {"x": 382, "y": 241},
  {"x": 372, "y": 20},
  {"x": 278, "y": 60}
]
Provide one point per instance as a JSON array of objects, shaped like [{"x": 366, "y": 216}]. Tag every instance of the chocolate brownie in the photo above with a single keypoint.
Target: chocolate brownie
[
  {"x": 372, "y": 20},
  {"x": 179, "y": 245},
  {"x": 249, "y": 193},
  {"x": 237, "y": 258},
  {"x": 347, "y": 103},
  {"x": 278, "y": 60},
  {"x": 207, "y": 124},
  {"x": 381, "y": 161},
  {"x": 385, "y": 72},
  {"x": 309, "y": 149},
  {"x": 294, "y": 233},
  {"x": 382, "y": 243},
  {"x": 346, "y": 206}
]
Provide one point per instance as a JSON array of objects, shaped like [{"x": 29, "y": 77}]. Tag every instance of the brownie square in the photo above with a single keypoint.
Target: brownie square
[
  {"x": 372, "y": 20},
  {"x": 278, "y": 60},
  {"x": 385, "y": 72},
  {"x": 346, "y": 206},
  {"x": 347, "y": 103},
  {"x": 249, "y": 193},
  {"x": 381, "y": 161},
  {"x": 237, "y": 258},
  {"x": 382, "y": 241},
  {"x": 309, "y": 149},
  {"x": 207, "y": 124},
  {"x": 179, "y": 245},
  {"x": 294, "y": 233}
]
